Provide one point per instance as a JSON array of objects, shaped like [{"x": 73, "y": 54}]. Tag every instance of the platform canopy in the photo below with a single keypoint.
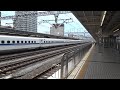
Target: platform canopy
[{"x": 99, "y": 23}]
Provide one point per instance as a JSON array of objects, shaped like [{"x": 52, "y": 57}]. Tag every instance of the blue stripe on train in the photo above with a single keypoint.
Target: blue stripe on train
[
  {"x": 20, "y": 44},
  {"x": 25, "y": 44}
]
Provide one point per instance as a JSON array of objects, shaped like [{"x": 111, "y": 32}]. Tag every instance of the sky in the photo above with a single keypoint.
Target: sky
[{"x": 74, "y": 26}]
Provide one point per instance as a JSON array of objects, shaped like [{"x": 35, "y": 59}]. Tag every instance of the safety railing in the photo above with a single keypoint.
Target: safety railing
[{"x": 71, "y": 59}]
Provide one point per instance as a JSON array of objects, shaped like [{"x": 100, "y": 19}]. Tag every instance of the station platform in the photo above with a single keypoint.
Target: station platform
[{"x": 101, "y": 63}]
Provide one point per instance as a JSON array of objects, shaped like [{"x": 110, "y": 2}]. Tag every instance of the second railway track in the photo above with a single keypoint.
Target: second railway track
[
  {"x": 8, "y": 68},
  {"x": 30, "y": 53}
]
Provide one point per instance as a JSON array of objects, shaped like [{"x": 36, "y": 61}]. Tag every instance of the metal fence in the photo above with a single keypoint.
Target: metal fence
[{"x": 71, "y": 59}]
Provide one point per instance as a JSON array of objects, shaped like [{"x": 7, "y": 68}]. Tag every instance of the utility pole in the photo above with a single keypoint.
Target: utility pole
[{"x": 57, "y": 28}]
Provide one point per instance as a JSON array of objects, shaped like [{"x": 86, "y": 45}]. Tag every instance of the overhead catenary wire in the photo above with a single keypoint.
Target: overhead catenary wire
[
  {"x": 34, "y": 14},
  {"x": 85, "y": 31}
]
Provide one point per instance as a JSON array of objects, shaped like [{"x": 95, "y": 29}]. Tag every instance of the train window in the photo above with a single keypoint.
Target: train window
[
  {"x": 28, "y": 41},
  {"x": 8, "y": 41},
  {"x": 25, "y": 41},
  {"x": 21, "y": 41},
  {"x": 17, "y": 41},
  {"x": 2, "y": 42},
  {"x": 13, "y": 41},
  {"x": 44, "y": 41},
  {"x": 34, "y": 41}
]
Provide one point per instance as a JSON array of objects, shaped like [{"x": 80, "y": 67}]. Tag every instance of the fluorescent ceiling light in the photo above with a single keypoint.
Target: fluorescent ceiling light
[
  {"x": 116, "y": 30},
  {"x": 103, "y": 17}
]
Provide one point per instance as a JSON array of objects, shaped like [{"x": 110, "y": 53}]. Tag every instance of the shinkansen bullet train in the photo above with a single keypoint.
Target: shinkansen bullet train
[{"x": 8, "y": 43}]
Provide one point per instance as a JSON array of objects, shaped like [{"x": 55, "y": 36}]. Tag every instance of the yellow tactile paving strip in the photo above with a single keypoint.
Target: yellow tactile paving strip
[
  {"x": 79, "y": 71},
  {"x": 85, "y": 66}
]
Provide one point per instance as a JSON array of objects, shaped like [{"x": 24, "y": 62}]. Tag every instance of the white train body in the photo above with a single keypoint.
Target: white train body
[
  {"x": 18, "y": 42},
  {"x": 15, "y": 42}
]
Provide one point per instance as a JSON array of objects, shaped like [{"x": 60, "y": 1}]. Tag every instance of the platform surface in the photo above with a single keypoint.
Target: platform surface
[{"x": 103, "y": 63}]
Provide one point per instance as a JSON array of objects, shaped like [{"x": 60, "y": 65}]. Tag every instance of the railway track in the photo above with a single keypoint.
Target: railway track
[
  {"x": 30, "y": 53},
  {"x": 48, "y": 73},
  {"x": 9, "y": 68},
  {"x": 6, "y": 69}
]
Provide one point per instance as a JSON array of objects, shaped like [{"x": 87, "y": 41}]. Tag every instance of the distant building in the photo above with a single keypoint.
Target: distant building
[
  {"x": 57, "y": 30},
  {"x": 26, "y": 23},
  {"x": 70, "y": 35}
]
